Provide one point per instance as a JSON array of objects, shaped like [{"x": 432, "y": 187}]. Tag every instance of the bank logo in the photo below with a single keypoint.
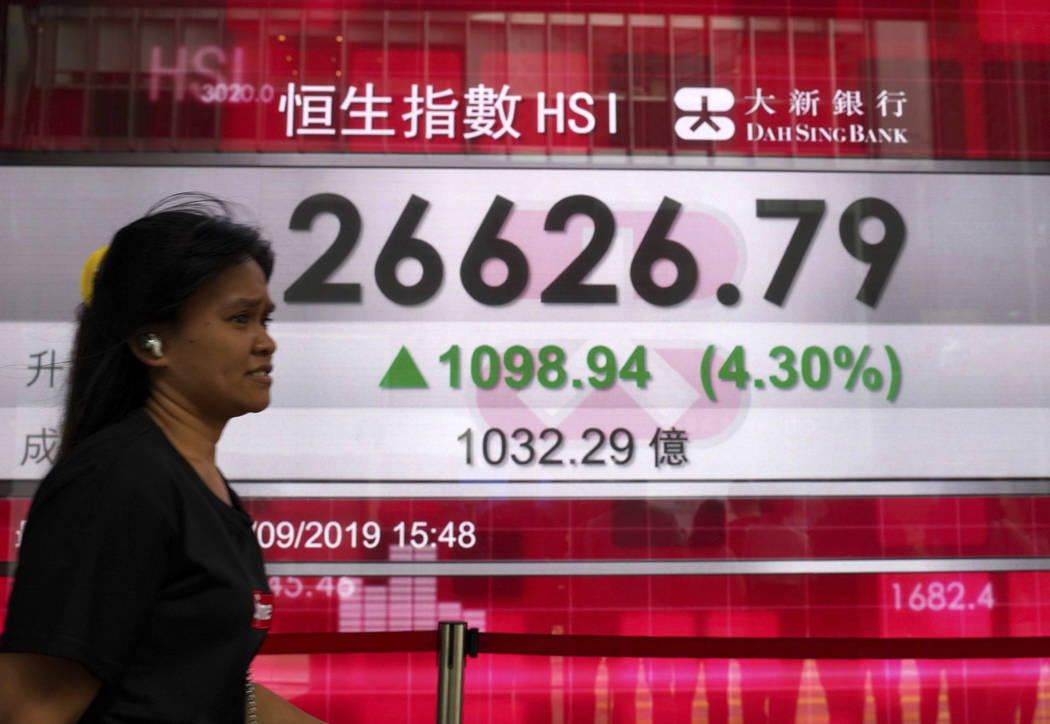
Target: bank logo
[{"x": 706, "y": 119}]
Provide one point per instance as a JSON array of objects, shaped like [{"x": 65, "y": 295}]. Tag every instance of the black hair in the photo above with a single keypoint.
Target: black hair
[{"x": 152, "y": 267}]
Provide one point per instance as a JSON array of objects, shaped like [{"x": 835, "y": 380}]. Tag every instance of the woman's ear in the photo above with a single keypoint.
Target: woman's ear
[{"x": 148, "y": 348}]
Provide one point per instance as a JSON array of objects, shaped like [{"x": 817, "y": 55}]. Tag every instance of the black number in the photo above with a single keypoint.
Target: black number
[
  {"x": 502, "y": 446},
  {"x": 598, "y": 446},
  {"x": 627, "y": 447},
  {"x": 568, "y": 287},
  {"x": 402, "y": 245},
  {"x": 558, "y": 439},
  {"x": 468, "y": 440},
  {"x": 312, "y": 286},
  {"x": 881, "y": 255},
  {"x": 487, "y": 245},
  {"x": 655, "y": 246},
  {"x": 526, "y": 443},
  {"x": 809, "y": 214}
]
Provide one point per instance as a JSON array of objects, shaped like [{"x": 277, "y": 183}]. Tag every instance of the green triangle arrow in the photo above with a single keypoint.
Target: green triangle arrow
[{"x": 403, "y": 372}]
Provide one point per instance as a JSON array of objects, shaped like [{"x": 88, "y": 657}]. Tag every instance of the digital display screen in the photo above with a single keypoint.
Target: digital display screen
[
  {"x": 728, "y": 322},
  {"x": 923, "y": 80}
]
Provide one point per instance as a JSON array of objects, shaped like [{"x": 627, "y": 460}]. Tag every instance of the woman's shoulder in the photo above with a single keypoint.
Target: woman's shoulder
[
  {"x": 116, "y": 458},
  {"x": 126, "y": 434}
]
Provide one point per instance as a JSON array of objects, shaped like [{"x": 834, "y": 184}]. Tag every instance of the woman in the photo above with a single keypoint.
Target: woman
[{"x": 140, "y": 593}]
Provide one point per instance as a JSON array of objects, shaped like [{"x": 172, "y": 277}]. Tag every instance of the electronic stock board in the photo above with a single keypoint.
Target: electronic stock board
[{"x": 727, "y": 322}]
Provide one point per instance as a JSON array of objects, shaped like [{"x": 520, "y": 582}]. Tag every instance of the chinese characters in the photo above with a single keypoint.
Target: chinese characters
[
  {"x": 40, "y": 446},
  {"x": 40, "y": 367},
  {"x": 431, "y": 112},
  {"x": 669, "y": 447},
  {"x": 844, "y": 102}
]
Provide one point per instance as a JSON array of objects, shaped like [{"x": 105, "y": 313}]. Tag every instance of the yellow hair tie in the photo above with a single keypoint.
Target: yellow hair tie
[{"x": 87, "y": 274}]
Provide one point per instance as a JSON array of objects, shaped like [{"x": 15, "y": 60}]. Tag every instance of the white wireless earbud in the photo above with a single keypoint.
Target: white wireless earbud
[{"x": 151, "y": 343}]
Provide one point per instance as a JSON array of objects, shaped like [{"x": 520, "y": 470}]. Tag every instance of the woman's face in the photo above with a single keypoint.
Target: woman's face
[{"x": 218, "y": 356}]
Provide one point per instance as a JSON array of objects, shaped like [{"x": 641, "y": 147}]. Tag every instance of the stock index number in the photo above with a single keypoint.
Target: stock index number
[
  {"x": 570, "y": 286},
  {"x": 522, "y": 447}
]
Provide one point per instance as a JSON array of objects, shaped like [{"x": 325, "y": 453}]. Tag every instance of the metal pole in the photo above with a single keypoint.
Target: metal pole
[{"x": 451, "y": 661}]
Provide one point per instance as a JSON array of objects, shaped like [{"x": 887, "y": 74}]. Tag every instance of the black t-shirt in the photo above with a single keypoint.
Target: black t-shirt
[{"x": 131, "y": 566}]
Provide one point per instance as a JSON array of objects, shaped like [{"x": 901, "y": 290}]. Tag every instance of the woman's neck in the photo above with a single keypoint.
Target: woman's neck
[{"x": 194, "y": 438}]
